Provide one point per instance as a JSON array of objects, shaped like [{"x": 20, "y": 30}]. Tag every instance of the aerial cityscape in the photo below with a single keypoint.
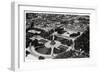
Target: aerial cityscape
[{"x": 56, "y": 36}]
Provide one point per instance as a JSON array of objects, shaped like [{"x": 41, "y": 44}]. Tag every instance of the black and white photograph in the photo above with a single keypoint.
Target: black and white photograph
[
  {"x": 56, "y": 35},
  {"x": 53, "y": 36}
]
